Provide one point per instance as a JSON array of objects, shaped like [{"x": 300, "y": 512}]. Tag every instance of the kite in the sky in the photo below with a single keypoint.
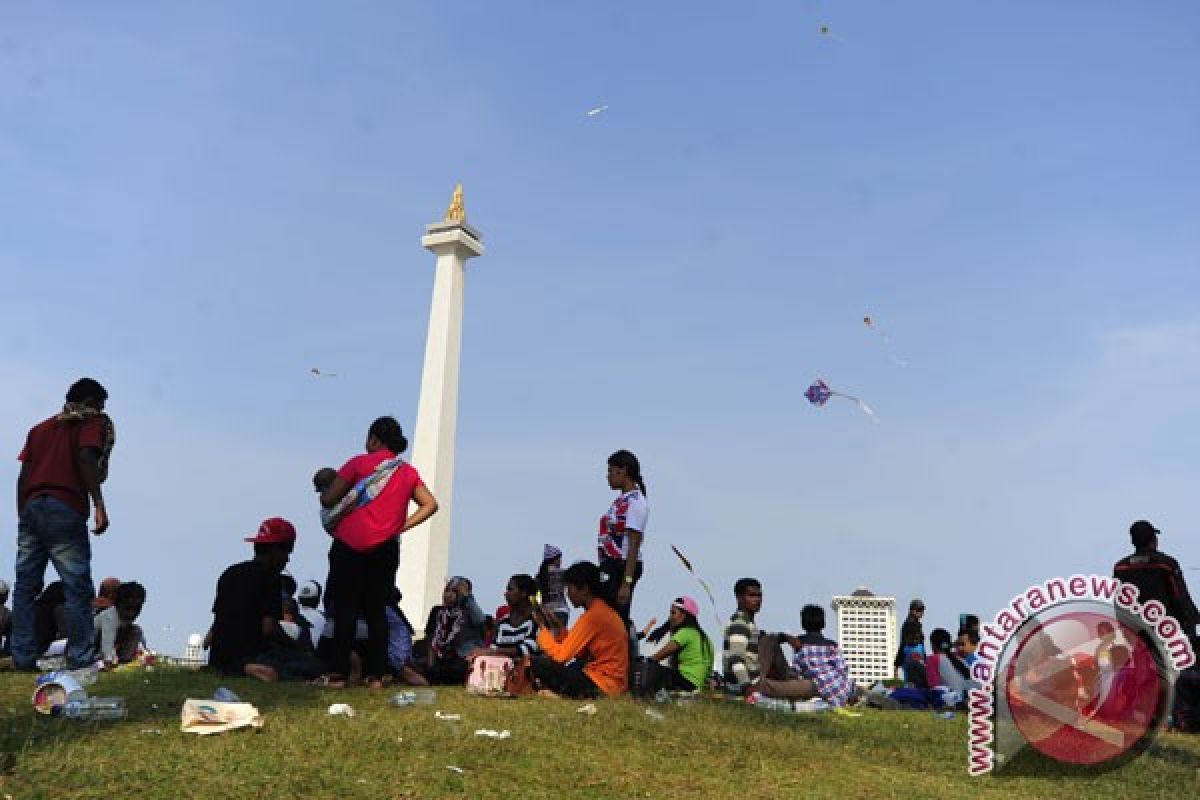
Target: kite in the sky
[
  {"x": 819, "y": 393},
  {"x": 320, "y": 374},
  {"x": 826, "y": 31},
  {"x": 597, "y": 111},
  {"x": 887, "y": 340},
  {"x": 703, "y": 584}
]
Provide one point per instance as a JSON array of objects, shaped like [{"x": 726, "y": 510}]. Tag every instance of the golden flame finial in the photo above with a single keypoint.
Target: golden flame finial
[{"x": 456, "y": 212}]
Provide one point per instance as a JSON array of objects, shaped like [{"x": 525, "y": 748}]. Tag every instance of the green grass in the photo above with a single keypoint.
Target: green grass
[{"x": 707, "y": 749}]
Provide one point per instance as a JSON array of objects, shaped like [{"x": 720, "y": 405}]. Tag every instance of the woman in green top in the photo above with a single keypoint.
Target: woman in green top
[{"x": 689, "y": 649}]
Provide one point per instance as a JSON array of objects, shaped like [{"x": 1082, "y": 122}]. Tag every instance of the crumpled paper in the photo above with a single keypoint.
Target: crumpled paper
[{"x": 212, "y": 716}]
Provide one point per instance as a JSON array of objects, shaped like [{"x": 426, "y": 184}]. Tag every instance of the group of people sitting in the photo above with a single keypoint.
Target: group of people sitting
[
  {"x": 257, "y": 629},
  {"x": 115, "y": 609},
  {"x": 261, "y": 630}
]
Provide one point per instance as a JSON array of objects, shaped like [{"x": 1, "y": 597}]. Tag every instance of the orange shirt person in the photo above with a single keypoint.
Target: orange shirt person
[{"x": 599, "y": 635}]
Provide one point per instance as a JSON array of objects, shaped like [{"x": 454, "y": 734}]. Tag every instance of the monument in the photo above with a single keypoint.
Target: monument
[{"x": 425, "y": 550}]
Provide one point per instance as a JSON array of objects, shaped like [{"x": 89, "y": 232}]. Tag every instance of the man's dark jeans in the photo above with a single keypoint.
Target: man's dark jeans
[{"x": 50, "y": 531}]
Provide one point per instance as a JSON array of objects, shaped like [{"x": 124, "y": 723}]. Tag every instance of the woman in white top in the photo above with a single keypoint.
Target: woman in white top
[{"x": 622, "y": 528}]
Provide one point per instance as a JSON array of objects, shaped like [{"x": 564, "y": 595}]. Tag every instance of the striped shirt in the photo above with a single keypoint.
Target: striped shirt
[
  {"x": 523, "y": 636},
  {"x": 739, "y": 659}
]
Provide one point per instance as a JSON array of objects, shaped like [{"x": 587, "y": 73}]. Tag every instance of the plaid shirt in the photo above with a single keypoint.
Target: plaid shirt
[{"x": 820, "y": 660}]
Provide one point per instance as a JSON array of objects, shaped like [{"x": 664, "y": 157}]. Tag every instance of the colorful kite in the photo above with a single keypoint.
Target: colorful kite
[
  {"x": 703, "y": 584},
  {"x": 819, "y": 393}
]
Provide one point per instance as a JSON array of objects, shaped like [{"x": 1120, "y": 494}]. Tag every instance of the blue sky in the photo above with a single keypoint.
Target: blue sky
[{"x": 199, "y": 204}]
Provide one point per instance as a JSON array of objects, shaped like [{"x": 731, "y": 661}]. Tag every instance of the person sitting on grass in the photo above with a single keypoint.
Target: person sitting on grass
[
  {"x": 106, "y": 595},
  {"x": 943, "y": 667},
  {"x": 308, "y": 597},
  {"x": 818, "y": 669},
  {"x": 599, "y": 641},
  {"x": 910, "y": 655},
  {"x": 400, "y": 643},
  {"x": 118, "y": 636},
  {"x": 690, "y": 651},
  {"x": 739, "y": 656},
  {"x": 550, "y": 583},
  {"x": 50, "y": 619},
  {"x": 294, "y": 624},
  {"x": 516, "y": 631},
  {"x": 245, "y": 637},
  {"x": 453, "y": 630},
  {"x": 967, "y": 644}
]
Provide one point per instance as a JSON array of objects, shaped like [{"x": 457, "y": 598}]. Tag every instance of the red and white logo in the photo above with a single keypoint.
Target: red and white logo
[{"x": 1085, "y": 688}]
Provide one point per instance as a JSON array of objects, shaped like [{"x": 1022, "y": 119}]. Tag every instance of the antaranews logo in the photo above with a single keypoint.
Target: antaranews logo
[{"x": 1077, "y": 669}]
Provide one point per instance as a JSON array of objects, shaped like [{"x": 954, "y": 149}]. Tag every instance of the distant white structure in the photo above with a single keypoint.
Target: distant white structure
[
  {"x": 866, "y": 632},
  {"x": 195, "y": 649},
  {"x": 425, "y": 550}
]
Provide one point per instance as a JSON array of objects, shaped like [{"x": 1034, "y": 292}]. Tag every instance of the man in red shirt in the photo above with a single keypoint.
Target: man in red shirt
[{"x": 64, "y": 461}]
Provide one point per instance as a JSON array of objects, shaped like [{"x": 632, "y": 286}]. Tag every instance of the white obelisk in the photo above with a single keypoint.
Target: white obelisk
[{"x": 425, "y": 550}]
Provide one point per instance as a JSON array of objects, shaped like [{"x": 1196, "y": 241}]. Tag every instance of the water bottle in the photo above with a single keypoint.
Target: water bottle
[
  {"x": 402, "y": 699},
  {"x": 85, "y": 676},
  {"x": 224, "y": 695},
  {"x": 95, "y": 708},
  {"x": 425, "y": 696},
  {"x": 774, "y": 704}
]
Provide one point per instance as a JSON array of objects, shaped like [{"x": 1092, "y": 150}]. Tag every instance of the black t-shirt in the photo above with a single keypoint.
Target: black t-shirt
[
  {"x": 246, "y": 593},
  {"x": 1158, "y": 577}
]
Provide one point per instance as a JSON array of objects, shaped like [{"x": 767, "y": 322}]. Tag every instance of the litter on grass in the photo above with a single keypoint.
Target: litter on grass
[
  {"x": 491, "y": 734},
  {"x": 341, "y": 710},
  {"x": 212, "y": 716},
  {"x": 459, "y": 770},
  {"x": 655, "y": 715},
  {"x": 589, "y": 709},
  {"x": 442, "y": 715}
]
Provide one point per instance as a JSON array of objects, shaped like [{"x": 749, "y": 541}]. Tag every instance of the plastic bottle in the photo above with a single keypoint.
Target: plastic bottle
[
  {"x": 402, "y": 699},
  {"x": 425, "y": 696},
  {"x": 774, "y": 704},
  {"x": 95, "y": 708},
  {"x": 85, "y": 675}
]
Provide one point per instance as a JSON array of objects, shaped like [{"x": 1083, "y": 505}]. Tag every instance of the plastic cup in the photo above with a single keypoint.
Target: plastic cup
[{"x": 57, "y": 692}]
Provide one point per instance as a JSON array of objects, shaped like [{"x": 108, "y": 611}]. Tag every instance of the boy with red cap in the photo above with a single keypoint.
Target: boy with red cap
[{"x": 245, "y": 638}]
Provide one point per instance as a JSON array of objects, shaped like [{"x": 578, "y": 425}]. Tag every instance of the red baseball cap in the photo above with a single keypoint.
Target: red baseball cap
[{"x": 275, "y": 530}]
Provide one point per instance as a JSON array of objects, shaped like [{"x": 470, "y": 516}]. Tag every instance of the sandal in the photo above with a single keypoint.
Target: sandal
[{"x": 331, "y": 681}]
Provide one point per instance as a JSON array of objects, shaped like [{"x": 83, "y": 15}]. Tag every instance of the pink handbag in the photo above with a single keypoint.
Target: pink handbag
[{"x": 489, "y": 676}]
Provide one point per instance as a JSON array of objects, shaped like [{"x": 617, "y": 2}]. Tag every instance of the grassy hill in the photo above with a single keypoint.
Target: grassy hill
[{"x": 706, "y": 749}]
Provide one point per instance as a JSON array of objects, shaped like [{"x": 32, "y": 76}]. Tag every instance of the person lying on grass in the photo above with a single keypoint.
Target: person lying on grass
[
  {"x": 598, "y": 638},
  {"x": 245, "y": 637},
  {"x": 689, "y": 650}
]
